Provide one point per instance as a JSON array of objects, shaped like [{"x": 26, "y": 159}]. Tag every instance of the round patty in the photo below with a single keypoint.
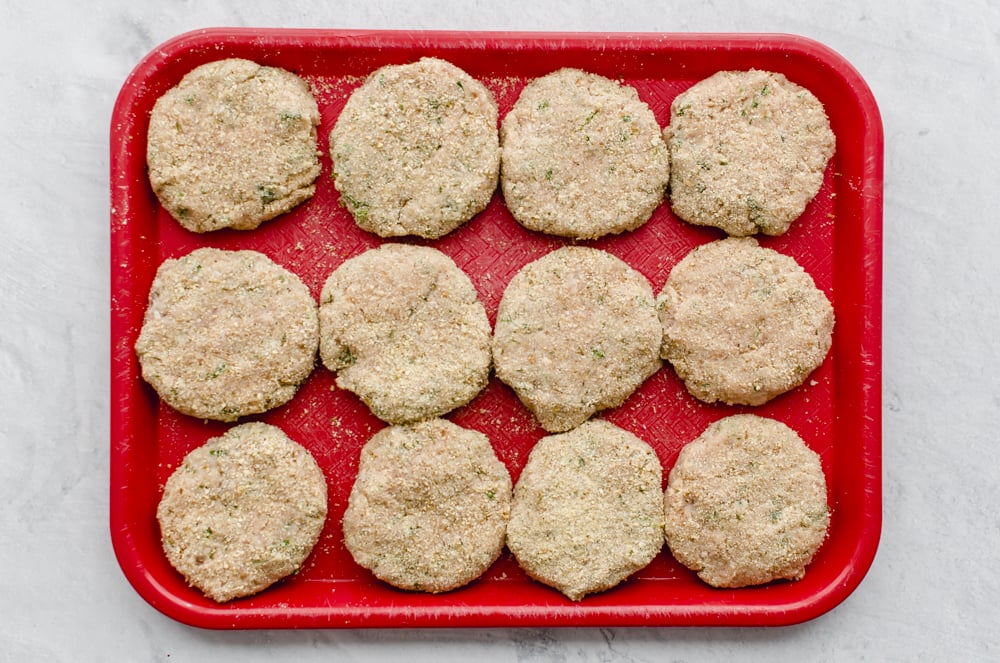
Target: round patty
[
  {"x": 403, "y": 328},
  {"x": 746, "y": 503},
  {"x": 415, "y": 150},
  {"x": 748, "y": 151},
  {"x": 429, "y": 507},
  {"x": 583, "y": 156},
  {"x": 587, "y": 510},
  {"x": 227, "y": 334},
  {"x": 243, "y": 511},
  {"x": 743, "y": 323},
  {"x": 233, "y": 145},
  {"x": 576, "y": 332}
]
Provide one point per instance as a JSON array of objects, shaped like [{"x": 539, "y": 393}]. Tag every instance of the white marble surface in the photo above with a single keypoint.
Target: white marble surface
[{"x": 932, "y": 592}]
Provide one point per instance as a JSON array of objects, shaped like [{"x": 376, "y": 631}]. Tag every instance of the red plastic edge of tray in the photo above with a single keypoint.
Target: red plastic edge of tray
[{"x": 729, "y": 611}]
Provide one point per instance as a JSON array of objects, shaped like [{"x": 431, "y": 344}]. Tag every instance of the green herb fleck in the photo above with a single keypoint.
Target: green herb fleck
[
  {"x": 434, "y": 112},
  {"x": 346, "y": 358},
  {"x": 755, "y": 211},
  {"x": 356, "y": 207},
  {"x": 599, "y": 353},
  {"x": 267, "y": 194}
]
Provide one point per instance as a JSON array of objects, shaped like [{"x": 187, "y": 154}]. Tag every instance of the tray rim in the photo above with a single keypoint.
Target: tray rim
[{"x": 731, "y": 613}]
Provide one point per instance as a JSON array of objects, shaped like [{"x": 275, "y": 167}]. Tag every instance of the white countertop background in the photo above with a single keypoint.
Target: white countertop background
[{"x": 932, "y": 592}]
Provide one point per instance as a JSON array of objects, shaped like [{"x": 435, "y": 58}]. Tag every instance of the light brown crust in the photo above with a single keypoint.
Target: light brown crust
[
  {"x": 415, "y": 150},
  {"x": 576, "y": 332},
  {"x": 429, "y": 506},
  {"x": 748, "y": 152},
  {"x": 233, "y": 145},
  {"x": 743, "y": 324},
  {"x": 583, "y": 156},
  {"x": 242, "y": 511},
  {"x": 403, "y": 328},
  {"x": 746, "y": 503},
  {"x": 587, "y": 510},
  {"x": 227, "y": 334}
]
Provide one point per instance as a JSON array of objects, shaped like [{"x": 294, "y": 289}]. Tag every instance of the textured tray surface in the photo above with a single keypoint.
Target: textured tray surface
[{"x": 837, "y": 412}]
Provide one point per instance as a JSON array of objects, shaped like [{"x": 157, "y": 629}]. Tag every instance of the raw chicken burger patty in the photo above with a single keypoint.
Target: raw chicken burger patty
[
  {"x": 746, "y": 503},
  {"x": 415, "y": 150},
  {"x": 587, "y": 509},
  {"x": 429, "y": 506},
  {"x": 403, "y": 328},
  {"x": 227, "y": 334},
  {"x": 242, "y": 511},
  {"x": 583, "y": 156},
  {"x": 233, "y": 145},
  {"x": 748, "y": 151},
  {"x": 742, "y": 323},
  {"x": 576, "y": 332}
]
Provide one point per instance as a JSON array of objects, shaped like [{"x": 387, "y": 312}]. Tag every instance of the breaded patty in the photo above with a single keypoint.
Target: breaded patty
[
  {"x": 576, "y": 332},
  {"x": 233, "y": 145},
  {"x": 403, "y": 328},
  {"x": 743, "y": 323},
  {"x": 587, "y": 510},
  {"x": 748, "y": 151},
  {"x": 746, "y": 503},
  {"x": 242, "y": 511},
  {"x": 429, "y": 507},
  {"x": 227, "y": 334},
  {"x": 415, "y": 150},
  {"x": 583, "y": 156}
]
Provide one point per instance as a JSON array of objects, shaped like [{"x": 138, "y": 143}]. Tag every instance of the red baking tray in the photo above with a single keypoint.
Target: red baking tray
[{"x": 838, "y": 240}]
